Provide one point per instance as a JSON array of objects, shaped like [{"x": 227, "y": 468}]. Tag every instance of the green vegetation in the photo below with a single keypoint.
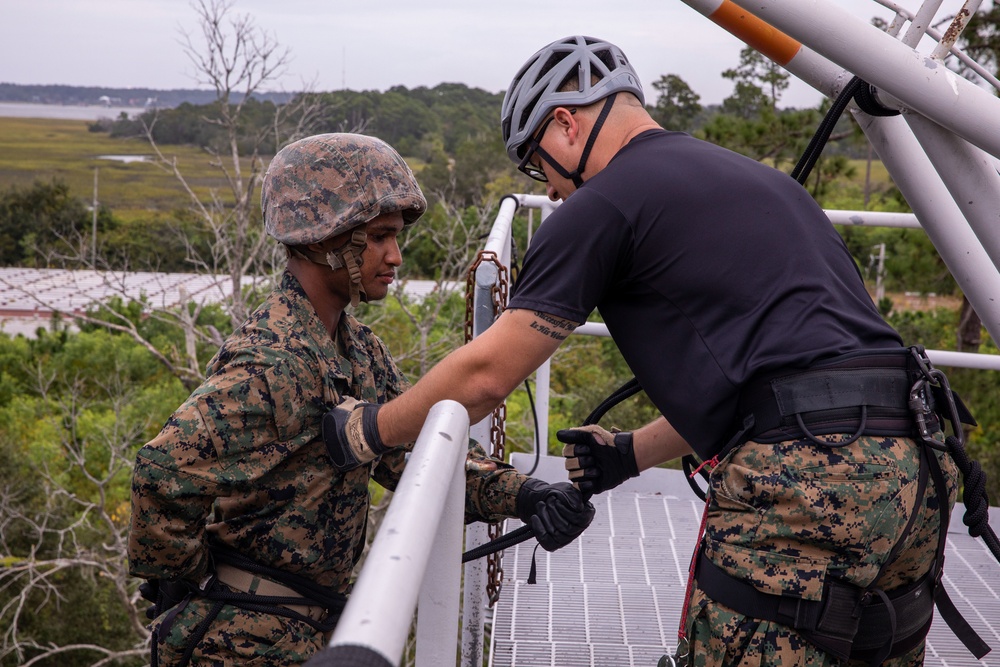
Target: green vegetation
[
  {"x": 75, "y": 407},
  {"x": 64, "y": 150}
]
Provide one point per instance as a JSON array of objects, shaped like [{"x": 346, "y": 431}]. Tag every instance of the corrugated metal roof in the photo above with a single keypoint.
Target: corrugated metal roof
[
  {"x": 613, "y": 597},
  {"x": 28, "y": 297}
]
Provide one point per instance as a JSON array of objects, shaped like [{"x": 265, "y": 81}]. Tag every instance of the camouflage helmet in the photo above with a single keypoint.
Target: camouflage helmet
[{"x": 328, "y": 184}]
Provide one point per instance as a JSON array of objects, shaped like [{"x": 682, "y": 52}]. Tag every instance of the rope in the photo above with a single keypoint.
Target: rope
[
  {"x": 977, "y": 504},
  {"x": 864, "y": 96}
]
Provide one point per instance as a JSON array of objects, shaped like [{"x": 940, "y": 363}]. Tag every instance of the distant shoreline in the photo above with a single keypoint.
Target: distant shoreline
[{"x": 65, "y": 111}]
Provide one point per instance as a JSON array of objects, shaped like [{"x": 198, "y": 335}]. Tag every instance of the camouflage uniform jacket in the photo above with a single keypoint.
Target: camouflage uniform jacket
[{"x": 242, "y": 462}]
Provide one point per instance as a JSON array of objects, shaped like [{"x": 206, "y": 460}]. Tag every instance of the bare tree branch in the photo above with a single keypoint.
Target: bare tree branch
[{"x": 79, "y": 530}]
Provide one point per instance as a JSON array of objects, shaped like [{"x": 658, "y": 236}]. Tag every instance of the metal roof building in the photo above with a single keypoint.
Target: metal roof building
[{"x": 30, "y": 297}]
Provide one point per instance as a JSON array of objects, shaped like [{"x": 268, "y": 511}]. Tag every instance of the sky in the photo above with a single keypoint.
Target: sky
[{"x": 374, "y": 44}]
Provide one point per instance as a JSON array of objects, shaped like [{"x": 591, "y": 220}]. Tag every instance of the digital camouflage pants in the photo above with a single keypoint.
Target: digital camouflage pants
[
  {"x": 785, "y": 516},
  {"x": 235, "y": 637}
]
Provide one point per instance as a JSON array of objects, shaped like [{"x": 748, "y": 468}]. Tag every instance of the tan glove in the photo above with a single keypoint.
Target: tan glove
[{"x": 350, "y": 432}]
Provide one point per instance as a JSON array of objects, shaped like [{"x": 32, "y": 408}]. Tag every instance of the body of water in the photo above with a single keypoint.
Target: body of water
[{"x": 65, "y": 112}]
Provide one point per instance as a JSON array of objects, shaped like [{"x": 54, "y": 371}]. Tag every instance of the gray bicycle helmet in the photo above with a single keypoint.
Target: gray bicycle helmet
[{"x": 600, "y": 67}]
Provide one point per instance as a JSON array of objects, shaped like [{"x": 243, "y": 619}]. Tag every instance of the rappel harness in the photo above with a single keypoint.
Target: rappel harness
[
  {"x": 241, "y": 582},
  {"x": 886, "y": 393},
  {"x": 900, "y": 395}
]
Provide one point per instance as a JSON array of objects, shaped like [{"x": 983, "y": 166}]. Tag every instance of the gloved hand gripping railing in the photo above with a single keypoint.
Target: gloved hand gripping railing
[{"x": 525, "y": 532}]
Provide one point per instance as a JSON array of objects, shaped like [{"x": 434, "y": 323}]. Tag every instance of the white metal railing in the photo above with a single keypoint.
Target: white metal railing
[{"x": 416, "y": 554}]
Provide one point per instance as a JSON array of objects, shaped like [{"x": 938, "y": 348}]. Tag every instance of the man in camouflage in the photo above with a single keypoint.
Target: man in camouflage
[{"x": 246, "y": 527}]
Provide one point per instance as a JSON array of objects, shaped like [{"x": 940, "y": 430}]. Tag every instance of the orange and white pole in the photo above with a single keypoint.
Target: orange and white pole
[{"x": 948, "y": 176}]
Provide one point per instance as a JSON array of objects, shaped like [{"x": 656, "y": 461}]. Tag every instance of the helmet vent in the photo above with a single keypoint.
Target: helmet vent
[{"x": 573, "y": 72}]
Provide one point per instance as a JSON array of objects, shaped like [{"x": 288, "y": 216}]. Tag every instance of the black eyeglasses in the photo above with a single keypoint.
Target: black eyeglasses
[{"x": 526, "y": 167}]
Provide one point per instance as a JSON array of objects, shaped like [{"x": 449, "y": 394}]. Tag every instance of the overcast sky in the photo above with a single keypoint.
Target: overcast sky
[{"x": 372, "y": 44}]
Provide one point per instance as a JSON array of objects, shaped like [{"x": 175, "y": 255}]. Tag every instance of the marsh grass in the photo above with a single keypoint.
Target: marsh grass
[{"x": 40, "y": 149}]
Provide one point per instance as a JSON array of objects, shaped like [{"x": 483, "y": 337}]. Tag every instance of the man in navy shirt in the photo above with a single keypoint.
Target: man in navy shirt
[{"x": 746, "y": 321}]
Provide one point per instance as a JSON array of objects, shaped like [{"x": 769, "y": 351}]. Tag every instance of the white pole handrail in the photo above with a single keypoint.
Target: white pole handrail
[{"x": 376, "y": 621}]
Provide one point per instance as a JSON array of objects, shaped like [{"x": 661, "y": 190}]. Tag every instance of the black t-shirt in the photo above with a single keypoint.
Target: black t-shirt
[{"x": 709, "y": 268}]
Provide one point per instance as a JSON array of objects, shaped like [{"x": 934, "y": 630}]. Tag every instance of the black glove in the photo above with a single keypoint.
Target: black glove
[
  {"x": 596, "y": 459},
  {"x": 350, "y": 432},
  {"x": 164, "y": 594},
  {"x": 150, "y": 590},
  {"x": 556, "y": 513}
]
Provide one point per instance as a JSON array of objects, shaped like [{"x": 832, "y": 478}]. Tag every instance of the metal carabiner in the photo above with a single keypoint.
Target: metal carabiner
[
  {"x": 920, "y": 408},
  {"x": 678, "y": 659},
  {"x": 949, "y": 397}
]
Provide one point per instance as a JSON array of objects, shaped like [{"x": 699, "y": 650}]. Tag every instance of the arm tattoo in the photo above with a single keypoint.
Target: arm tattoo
[{"x": 553, "y": 327}]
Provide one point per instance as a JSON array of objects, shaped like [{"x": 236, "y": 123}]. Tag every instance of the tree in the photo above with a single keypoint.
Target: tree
[
  {"x": 223, "y": 233},
  {"x": 64, "y": 532},
  {"x": 236, "y": 59},
  {"x": 42, "y": 225},
  {"x": 759, "y": 83},
  {"x": 85, "y": 403},
  {"x": 676, "y": 104},
  {"x": 981, "y": 41}
]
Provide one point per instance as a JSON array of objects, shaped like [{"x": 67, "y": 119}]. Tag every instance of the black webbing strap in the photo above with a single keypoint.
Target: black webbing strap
[
  {"x": 843, "y": 623},
  {"x": 505, "y": 541},
  {"x": 830, "y": 400},
  {"x": 837, "y": 613},
  {"x": 312, "y": 594},
  {"x": 956, "y": 622},
  {"x": 953, "y": 617}
]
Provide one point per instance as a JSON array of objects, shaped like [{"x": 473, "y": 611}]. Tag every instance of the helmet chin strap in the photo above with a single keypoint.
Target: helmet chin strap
[
  {"x": 347, "y": 256},
  {"x": 577, "y": 176}
]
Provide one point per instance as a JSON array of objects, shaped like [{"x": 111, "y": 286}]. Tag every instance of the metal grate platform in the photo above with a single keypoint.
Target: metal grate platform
[{"x": 613, "y": 598}]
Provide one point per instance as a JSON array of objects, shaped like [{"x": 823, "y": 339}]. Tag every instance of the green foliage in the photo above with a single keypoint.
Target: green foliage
[
  {"x": 453, "y": 112},
  {"x": 774, "y": 135},
  {"x": 197, "y": 125},
  {"x": 911, "y": 261},
  {"x": 584, "y": 371},
  {"x": 163, "y": 333},
  {"x": 676, "y": 104},
  {"x": 88, "y": 610},
  {"x": 935, "y": 329},
  {"x": 157, "y": 242},
  {"x": 74, "y": 409},
  {"x": 44, "y": 226},
  {"x": 407, "y": 119},
  {"x": 417, "y": 333},
  {"x": 44, "y": 222},
  {"x": 47, "y": 150},
  {"x": 465, "y": 178},
  {"x": 759, "y": 83}
]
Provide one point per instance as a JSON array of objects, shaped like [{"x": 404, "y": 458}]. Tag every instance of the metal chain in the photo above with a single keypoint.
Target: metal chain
[{"x": 499, "y": 291}]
